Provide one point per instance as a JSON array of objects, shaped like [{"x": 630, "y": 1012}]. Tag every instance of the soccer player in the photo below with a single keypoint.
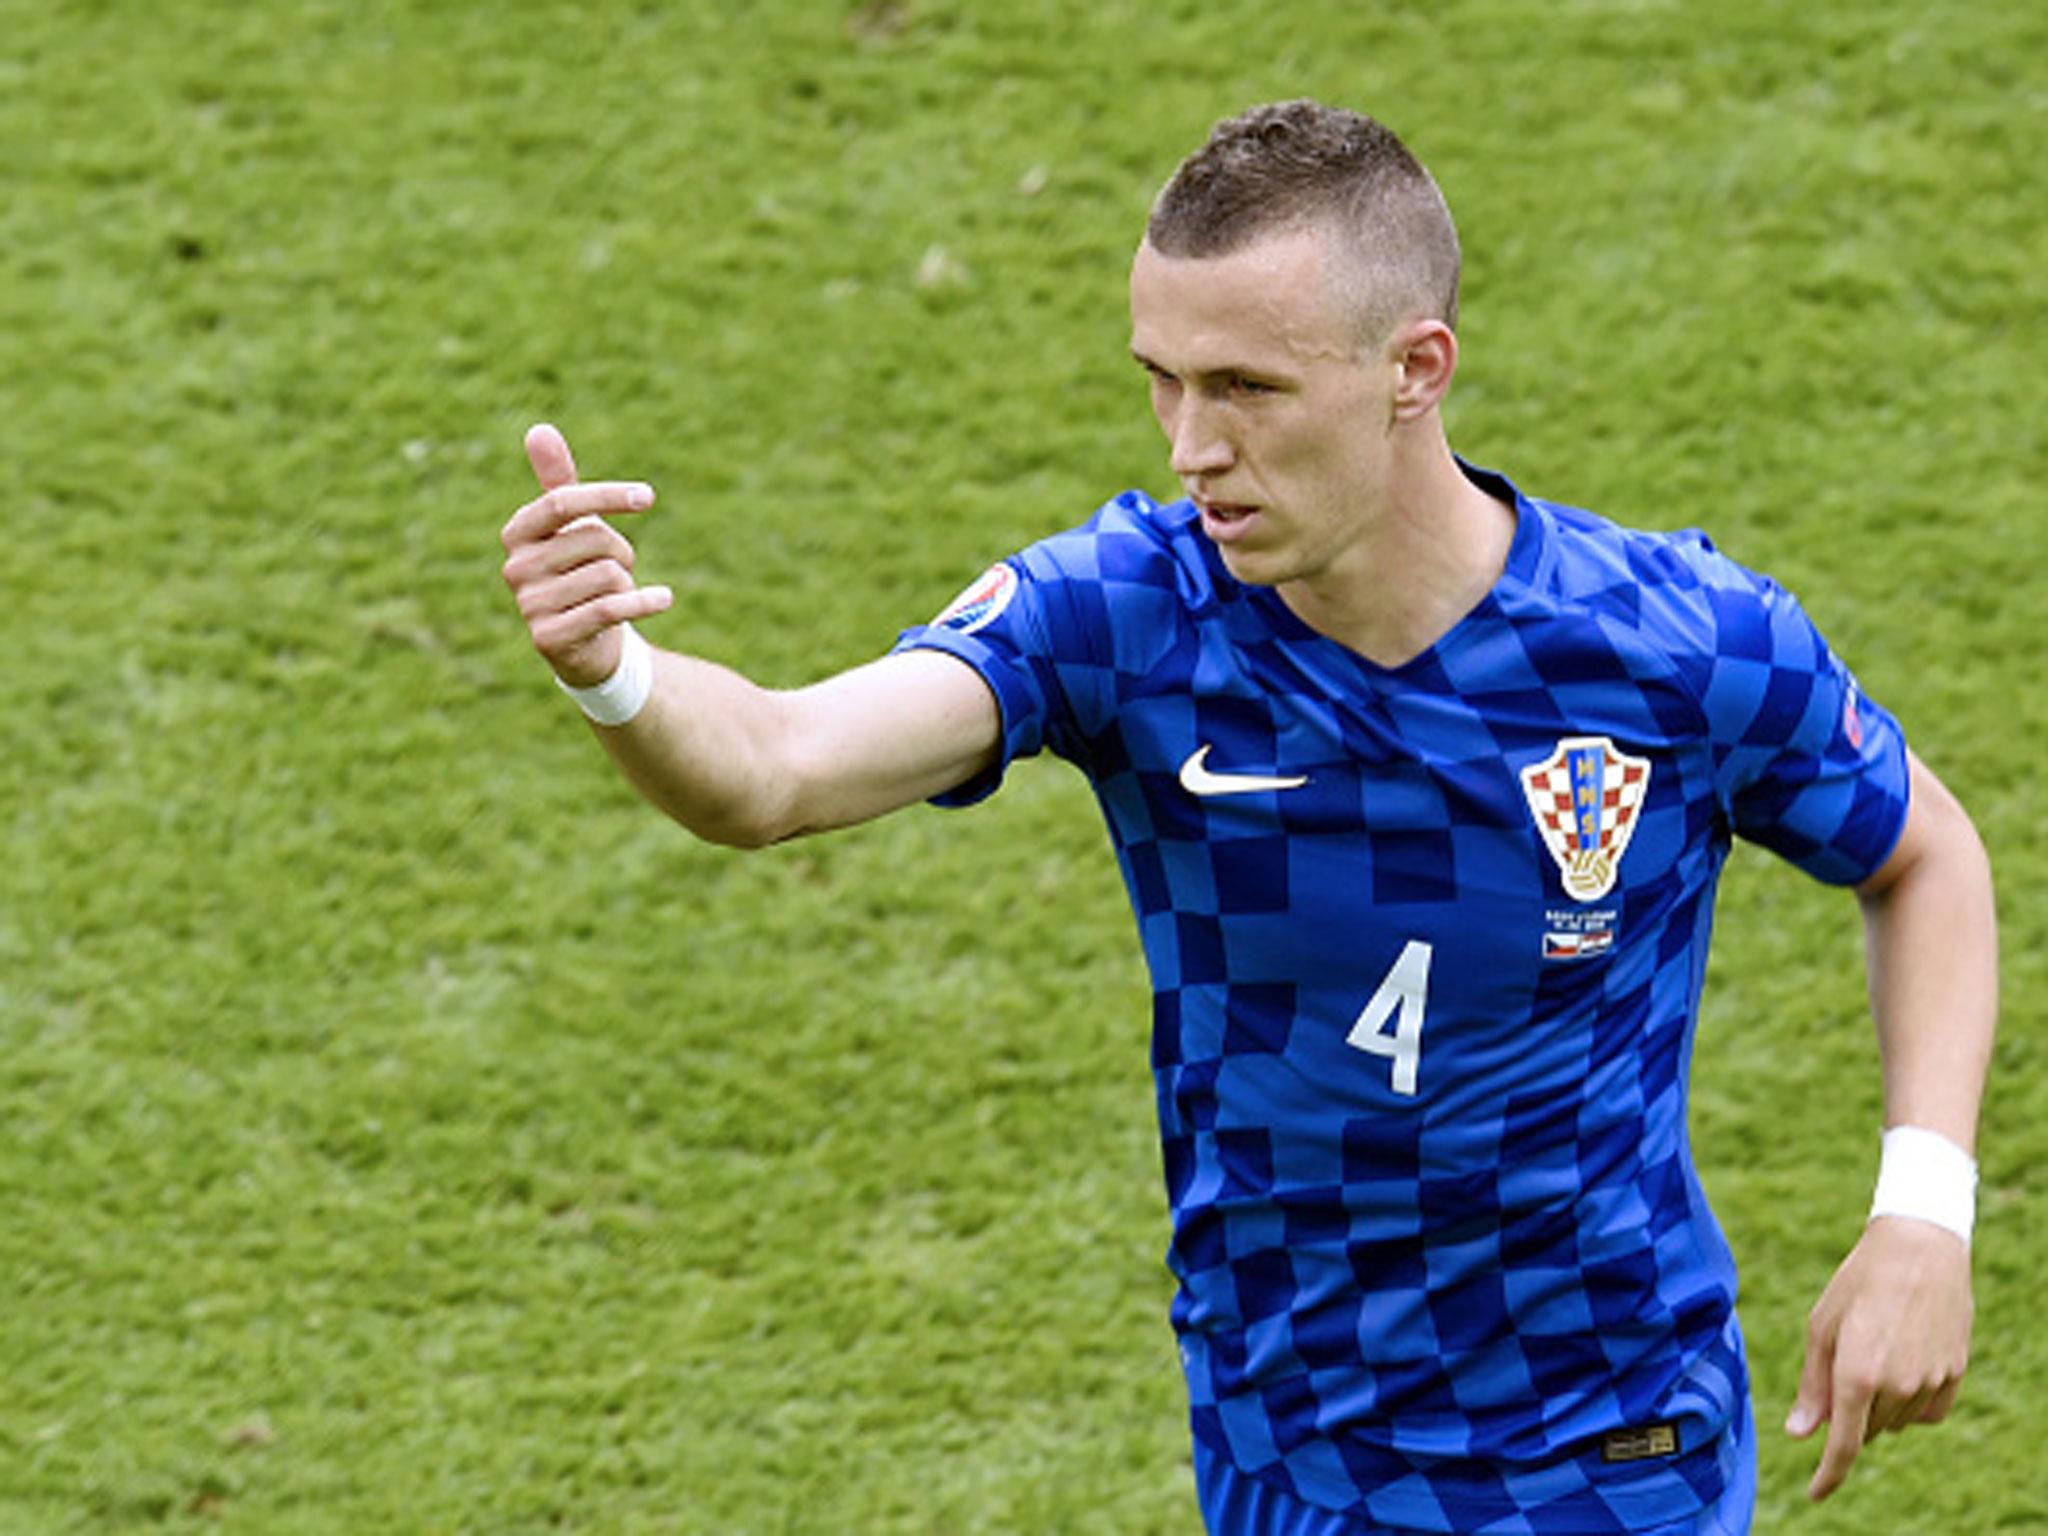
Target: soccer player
[{"x": 1421, "y": 787}]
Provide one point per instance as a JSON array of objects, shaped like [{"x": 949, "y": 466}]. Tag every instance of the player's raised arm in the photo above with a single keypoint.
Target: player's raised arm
[{"x": 733, "y": 762}]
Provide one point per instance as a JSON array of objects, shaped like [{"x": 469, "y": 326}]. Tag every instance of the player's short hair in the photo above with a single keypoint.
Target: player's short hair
[{"x": 1295, "y": 165}]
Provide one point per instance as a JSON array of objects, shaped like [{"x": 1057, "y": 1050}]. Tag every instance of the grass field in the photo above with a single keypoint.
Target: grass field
[{"x": 403, "y": 1130}]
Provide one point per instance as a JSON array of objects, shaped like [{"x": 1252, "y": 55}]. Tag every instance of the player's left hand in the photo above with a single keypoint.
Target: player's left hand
[{"x": 1886, "y": 1344}]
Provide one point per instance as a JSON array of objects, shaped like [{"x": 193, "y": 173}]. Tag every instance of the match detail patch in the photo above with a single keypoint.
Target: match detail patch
[
  {"x": 1585, "y": 797},
  {"x": 1578, "y": 933},
  {"x": 986, "y": 597}
]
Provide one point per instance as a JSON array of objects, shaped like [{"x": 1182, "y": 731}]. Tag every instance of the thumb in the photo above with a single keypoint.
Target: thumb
[
  {"x": 548, "y": 452},
  {"x": 1810, "y": 1407}
]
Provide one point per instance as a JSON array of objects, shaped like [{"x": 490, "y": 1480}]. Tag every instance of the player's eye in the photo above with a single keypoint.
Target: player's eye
[{"x": 1163, "y": 384}]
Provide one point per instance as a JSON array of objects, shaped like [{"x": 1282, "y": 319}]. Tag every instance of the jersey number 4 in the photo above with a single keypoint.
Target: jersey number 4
[{"x": 1391, "y": 1023}]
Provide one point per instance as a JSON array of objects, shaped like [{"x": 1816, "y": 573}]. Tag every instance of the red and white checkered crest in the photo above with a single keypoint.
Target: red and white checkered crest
[{"x": 1585, "y": 797}]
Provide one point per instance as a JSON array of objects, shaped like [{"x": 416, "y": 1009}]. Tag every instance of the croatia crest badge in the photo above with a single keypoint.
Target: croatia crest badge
[{"x": 1586, "y": 797}]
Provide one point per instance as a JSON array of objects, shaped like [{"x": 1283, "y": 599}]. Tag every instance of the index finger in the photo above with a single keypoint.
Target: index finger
[
  {"x": 552, "y": 511},
  {"x": 1847, "y": 1430},
  {"x": 548, "y": 452}
]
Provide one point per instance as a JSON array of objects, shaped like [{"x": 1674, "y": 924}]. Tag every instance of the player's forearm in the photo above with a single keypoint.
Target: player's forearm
[
  {"x": 746, "y": 766},
  {"x": 733, "y": 762},
  {"x": 706, "y": 750},
  {"x": 1933, "y": 962}
]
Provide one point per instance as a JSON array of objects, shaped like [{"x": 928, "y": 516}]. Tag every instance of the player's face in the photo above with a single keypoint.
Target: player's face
[{"x": 1278, "y": 422}]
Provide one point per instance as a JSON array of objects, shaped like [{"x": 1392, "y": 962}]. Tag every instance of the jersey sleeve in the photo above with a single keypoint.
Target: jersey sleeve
[
  {"x": 1034, "y": 626},
  {"x": 996, "y": 627},
  {"x": 1805, "y": 763},
  {"x": 1053, "y": 628}
]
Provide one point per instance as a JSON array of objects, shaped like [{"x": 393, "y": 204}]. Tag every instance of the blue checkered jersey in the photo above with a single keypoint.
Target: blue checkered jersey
[{"x": 1426, "y": 945}]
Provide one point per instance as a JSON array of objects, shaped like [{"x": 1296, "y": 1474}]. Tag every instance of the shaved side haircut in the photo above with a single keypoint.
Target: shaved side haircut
[{"x": 1298, "y": 165}]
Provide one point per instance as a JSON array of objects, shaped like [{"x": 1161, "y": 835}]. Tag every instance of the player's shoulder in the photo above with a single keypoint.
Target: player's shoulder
[
  {"x": 1671, "y": 590},
  {"x": 1595, "y": 554},
  {"x": 1131, "y": 540}
]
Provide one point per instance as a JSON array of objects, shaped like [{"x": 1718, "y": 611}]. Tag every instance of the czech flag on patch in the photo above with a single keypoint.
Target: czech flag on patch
[
  {"x": 1576, "y": 946},
  {"x": 986, "y": 596}
]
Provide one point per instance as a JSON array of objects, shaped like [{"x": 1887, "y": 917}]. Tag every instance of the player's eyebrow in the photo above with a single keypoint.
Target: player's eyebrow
[{"x": 1209, "y": 375}]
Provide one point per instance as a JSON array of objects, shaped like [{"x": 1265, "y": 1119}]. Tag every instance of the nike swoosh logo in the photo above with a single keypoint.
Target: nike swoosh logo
[{"x": 1196, "y": 779}]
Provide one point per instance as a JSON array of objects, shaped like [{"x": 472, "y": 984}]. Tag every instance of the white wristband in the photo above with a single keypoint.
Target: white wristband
[
  {"x": 1925, "y": 1175},
  {"x": 622, "y": 695}
]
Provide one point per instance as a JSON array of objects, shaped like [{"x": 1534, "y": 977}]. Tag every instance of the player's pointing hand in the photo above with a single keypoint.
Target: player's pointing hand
[
  {"x": 572, "y": 572},
  {"x": 1887, "y": 1343}
]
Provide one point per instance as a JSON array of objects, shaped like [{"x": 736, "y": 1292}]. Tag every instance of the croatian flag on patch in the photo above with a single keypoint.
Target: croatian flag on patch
[{"x": 986, "y": 596}]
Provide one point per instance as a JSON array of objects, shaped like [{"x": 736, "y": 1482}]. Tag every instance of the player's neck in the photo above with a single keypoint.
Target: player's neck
[{"x": 1427, "y": 557}]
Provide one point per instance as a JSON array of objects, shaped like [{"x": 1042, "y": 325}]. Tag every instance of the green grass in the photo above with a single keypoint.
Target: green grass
[{"x": 402, "y": 1130}]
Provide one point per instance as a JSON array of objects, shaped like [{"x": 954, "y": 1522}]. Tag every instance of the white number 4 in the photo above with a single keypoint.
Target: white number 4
[{"x": 1400, "y": 1000}]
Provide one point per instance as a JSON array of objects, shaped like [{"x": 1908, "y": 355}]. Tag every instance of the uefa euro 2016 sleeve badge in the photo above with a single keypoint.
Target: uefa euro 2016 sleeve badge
[
  {"x": 983, "y": 601},
  {"x": 1585, "y": 797}
]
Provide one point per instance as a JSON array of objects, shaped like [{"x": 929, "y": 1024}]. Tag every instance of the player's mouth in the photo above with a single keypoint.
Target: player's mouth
[{"x": 1226, "y": 521}]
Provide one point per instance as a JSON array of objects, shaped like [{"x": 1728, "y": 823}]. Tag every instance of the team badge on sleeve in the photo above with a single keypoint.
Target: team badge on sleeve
[
  {"x": 1852, "y": 723},
  {"x": 986, "y": 596},
  {"x": 1585, "y": 797}
]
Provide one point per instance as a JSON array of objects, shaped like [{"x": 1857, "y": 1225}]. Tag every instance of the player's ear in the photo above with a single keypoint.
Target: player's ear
[{"x": 1425, "y": 355}]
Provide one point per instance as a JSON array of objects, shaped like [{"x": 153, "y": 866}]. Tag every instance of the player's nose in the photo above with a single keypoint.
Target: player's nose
[{"x": 1199, "y": 446}]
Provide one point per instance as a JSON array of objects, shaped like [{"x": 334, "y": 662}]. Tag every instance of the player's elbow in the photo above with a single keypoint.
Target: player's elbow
[
  {"x": 746, "y": 836},
  {"x": 746, "y": 822},
  {"x": 739, "y": 786},
  {"x": 738, "y": 811}
]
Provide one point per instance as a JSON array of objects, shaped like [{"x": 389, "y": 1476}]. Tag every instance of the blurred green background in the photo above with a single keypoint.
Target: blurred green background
[{"x": 404, "y": 1130}]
